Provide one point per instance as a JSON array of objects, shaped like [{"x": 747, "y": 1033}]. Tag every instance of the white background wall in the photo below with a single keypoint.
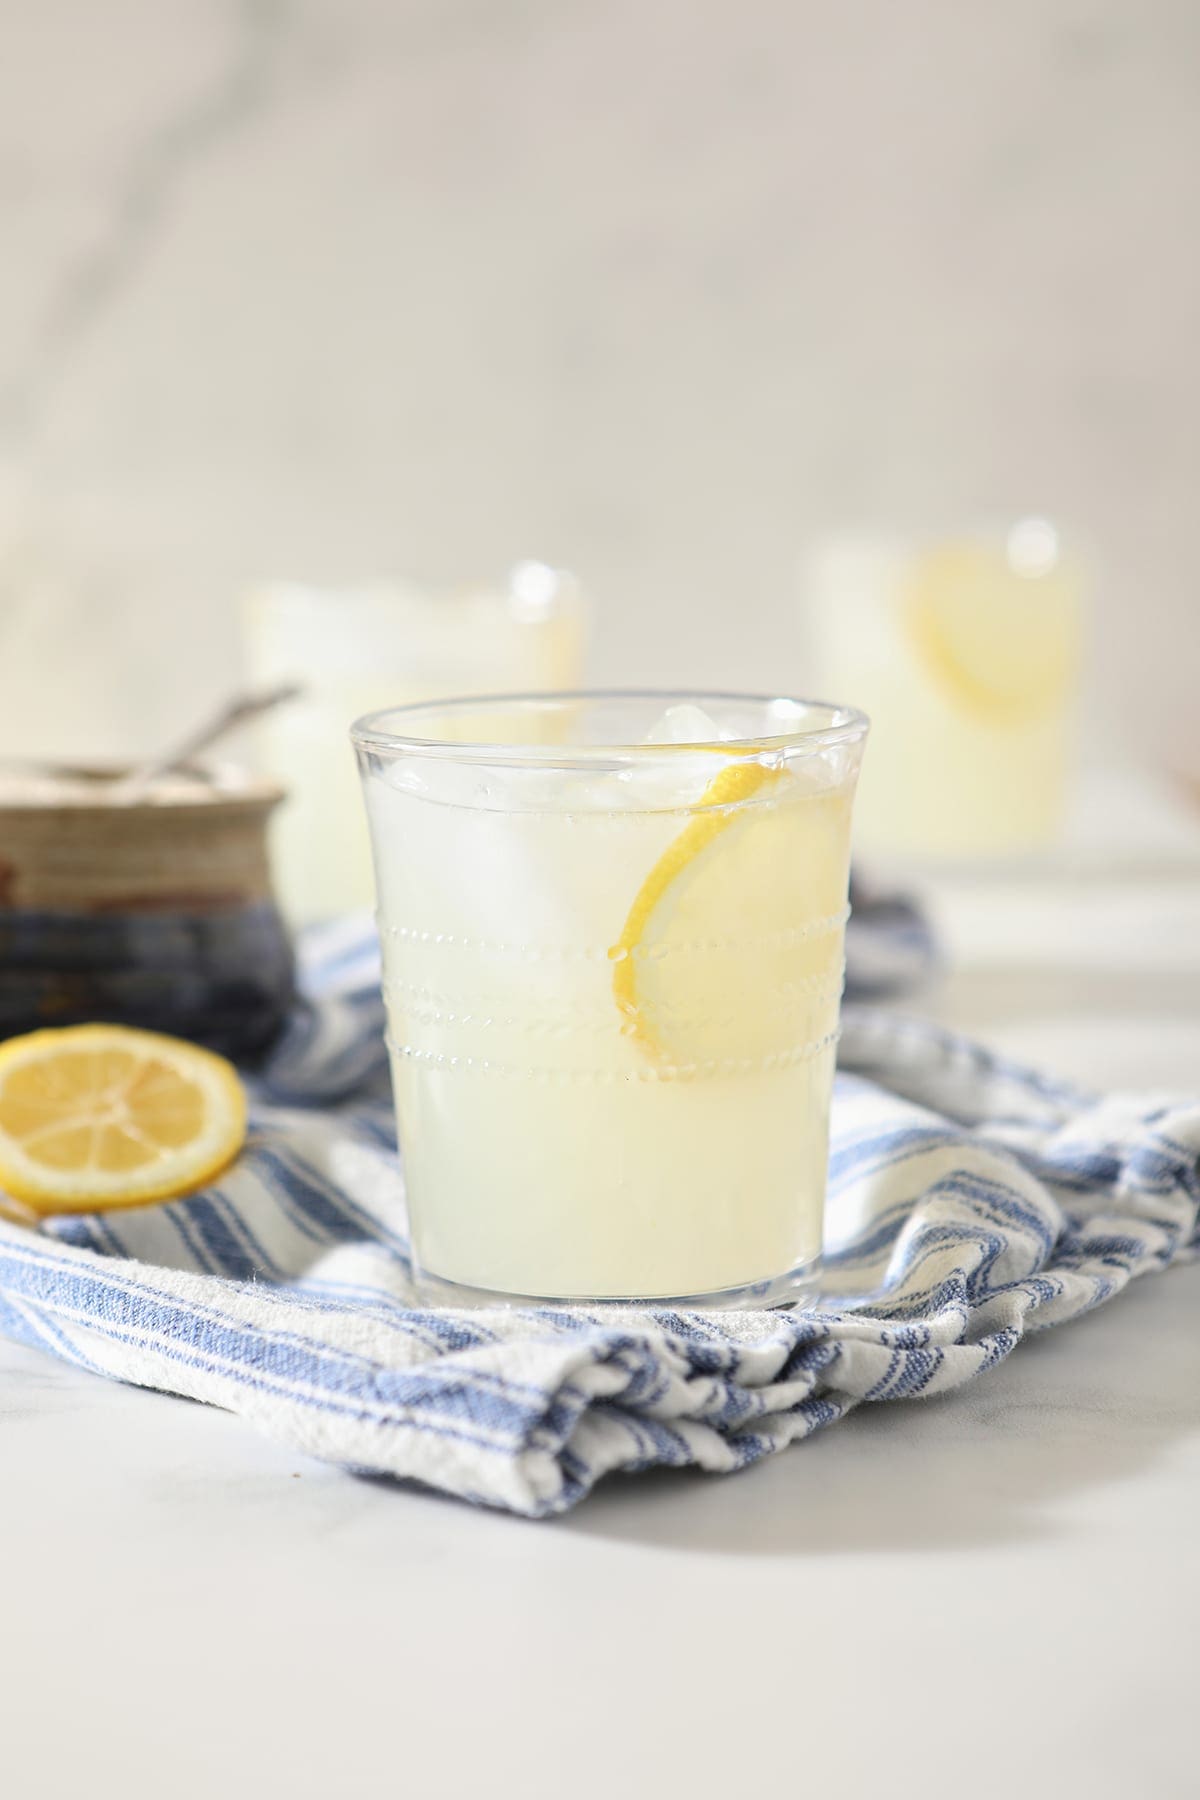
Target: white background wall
[{"x": 659, "y": 288}]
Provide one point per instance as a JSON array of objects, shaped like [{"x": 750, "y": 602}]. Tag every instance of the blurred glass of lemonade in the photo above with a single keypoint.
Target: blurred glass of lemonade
[
  {"x": 965, "y": 652},
  {"x": 356, "y": 650}
]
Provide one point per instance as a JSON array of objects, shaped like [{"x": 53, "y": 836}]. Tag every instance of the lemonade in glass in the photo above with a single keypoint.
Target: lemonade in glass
[
  {"x": 965, "y": 649},
  {"x": 612, "y": 932}
]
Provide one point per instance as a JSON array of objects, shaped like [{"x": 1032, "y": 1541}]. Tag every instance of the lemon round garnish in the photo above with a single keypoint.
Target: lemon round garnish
[
  {"x": 99, "y": 1116},
  {"x": 1003, "y": 645},
  {"x": 732, "y": 949}
]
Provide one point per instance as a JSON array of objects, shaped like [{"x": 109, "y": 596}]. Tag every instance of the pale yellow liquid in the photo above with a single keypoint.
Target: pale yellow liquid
[
  {"x": 547, "y": 1151},
  {"x": 355, "y": 653},
  {"x": 971, "y": 697}
]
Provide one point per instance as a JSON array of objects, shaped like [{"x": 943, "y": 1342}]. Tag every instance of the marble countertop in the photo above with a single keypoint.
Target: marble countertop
[{"x": 996, "y": 1591}]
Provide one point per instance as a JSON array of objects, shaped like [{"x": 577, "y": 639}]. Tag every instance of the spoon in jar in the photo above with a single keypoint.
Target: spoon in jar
[{"x": 133, "y": 787}]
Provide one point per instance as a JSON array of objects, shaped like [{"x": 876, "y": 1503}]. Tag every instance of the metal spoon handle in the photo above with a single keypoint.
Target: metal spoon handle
[{"x": 132, "y": 787}]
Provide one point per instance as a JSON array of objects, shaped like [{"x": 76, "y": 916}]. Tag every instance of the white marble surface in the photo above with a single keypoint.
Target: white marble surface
[
  {"x": 658, "y": 288},
  {"x": 996, "y": 1593}
]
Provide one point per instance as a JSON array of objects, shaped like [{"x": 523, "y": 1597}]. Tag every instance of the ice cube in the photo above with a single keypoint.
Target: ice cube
[{"x": 685, "y": 723}]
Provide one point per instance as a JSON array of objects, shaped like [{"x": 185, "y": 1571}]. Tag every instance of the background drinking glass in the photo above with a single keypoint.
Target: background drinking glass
[
  {"x": 612, "y": 931},
  {"x": 965, "y": 651},
  {"x": 357, "y": 650}
]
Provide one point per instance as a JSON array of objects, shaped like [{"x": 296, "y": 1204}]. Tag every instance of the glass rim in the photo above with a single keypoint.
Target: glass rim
[{"x": 370, "y": 733}]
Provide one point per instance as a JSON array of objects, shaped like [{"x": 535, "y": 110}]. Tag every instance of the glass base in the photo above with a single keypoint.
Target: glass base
[{"x": 800, "y": 1286}]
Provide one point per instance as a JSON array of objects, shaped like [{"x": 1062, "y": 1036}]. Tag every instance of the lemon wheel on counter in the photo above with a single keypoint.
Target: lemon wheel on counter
[{"x": 102, "y": 1116}]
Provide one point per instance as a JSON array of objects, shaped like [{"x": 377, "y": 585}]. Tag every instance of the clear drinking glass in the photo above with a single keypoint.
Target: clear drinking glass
[
  {"x": 356, "y": 649},
  {"x": 612, "y": 930}
]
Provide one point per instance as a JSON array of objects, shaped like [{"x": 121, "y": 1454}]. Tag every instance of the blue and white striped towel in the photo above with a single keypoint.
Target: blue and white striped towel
[{"x": 970, "y": 1201}]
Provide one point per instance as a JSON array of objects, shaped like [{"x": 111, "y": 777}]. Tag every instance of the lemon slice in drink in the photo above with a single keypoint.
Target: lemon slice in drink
[
  {"x": 98, "y": 1116},
  {"x": 1002, "y": 644},
  {"x": 731, "y": 953}
]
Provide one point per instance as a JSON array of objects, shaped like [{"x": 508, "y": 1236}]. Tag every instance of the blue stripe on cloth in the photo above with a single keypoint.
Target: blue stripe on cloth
[{"x": 971, "y": 1201}]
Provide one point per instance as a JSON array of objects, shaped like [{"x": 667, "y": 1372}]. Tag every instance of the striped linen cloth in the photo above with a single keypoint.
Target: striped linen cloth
[{"x": 970, "y": 1201}]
